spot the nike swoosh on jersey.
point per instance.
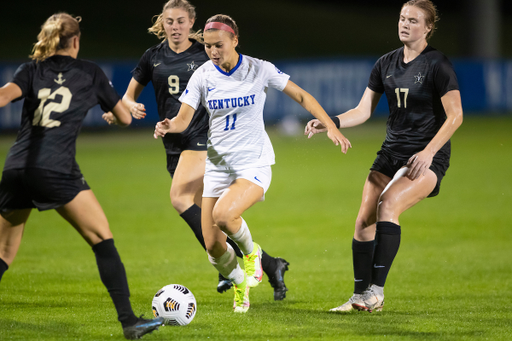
(155, 65)
(389, 76)
(211, 89)
(201, 144)
(378, 266)
(257, 179)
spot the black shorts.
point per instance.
(38, 188)
(188, 140)
(388, 165)
(194, 142)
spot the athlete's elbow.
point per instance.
(457, 119)
(125, 121)
(4, 99)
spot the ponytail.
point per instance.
(55, 35)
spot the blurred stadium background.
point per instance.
(328, 47)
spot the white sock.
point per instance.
(243, 238)
(228, 266)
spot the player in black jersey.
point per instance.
(425, 110)
(169, 65)
(41, 171)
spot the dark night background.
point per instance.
(117, 30)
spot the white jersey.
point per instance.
(237, 138)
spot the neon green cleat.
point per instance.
(241, 303)
(252, 265)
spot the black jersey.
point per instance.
(58, 93)
(170, 72)
(414, 92)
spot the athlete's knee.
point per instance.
(223, 217)
(214, 248)
(364, 229)
(386, 207)
(180, 201)
(96, 234)
(364, 222)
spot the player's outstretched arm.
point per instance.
(309, 103)
(177, 124)
(350, 118)
(119, 115)
(133, 92)
(8, 93)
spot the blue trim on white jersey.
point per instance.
(233, 69)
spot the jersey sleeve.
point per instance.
(23, 78)
(142, 72)
(375, 81)
(192, 94)
(105, 92)
(445, 78)
(276, 78)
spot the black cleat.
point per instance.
(277, 279)
(142, 327)
(224, 284)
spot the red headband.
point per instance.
(219, 26)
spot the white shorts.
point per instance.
(217, 181)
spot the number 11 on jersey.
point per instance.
(227, 123)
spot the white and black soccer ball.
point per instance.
(176, 304)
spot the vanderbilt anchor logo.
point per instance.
(171, 305)
(182, 289)
(59, 79)
(190, 310)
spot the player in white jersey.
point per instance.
(232, 88)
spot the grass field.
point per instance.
(451, 280)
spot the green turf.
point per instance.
(451, 279)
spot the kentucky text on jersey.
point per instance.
(235, 102)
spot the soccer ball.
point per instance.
(176, 304)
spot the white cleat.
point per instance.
(355, 299)
(373, 299)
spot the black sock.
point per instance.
(3, 267)
(235, 247)
(268, 263)
(362, 258)
(192, 217)
(388, 242)
(113, 276)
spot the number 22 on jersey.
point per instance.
(42, 113)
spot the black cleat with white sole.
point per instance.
(224, 284)
(142, 327)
